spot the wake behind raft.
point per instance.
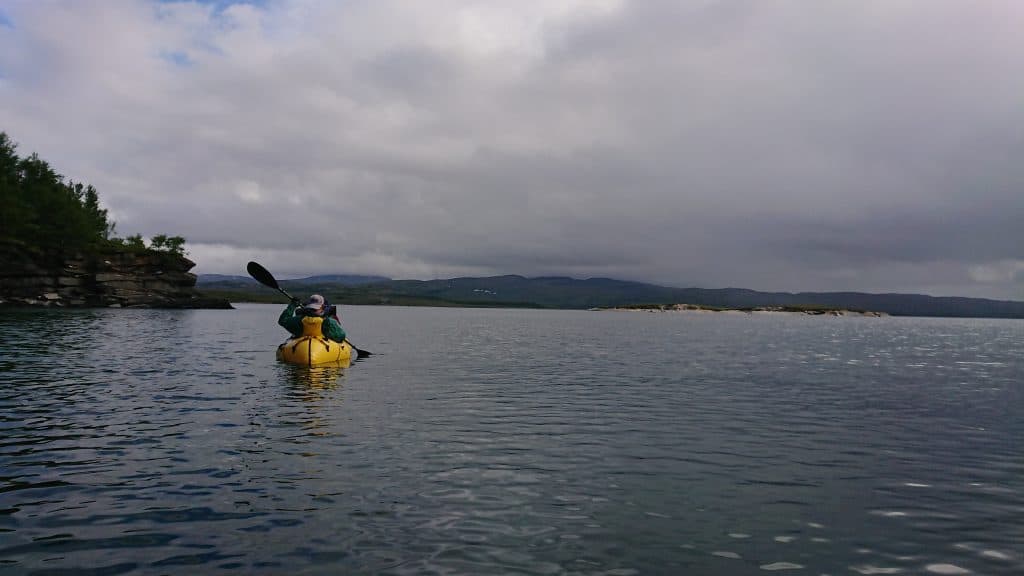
(312, 348)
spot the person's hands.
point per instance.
(331, 310)
(296, 301)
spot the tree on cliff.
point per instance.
(39, 210)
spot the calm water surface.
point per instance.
(511, 442)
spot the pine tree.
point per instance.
(42, 211)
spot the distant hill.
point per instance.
(215, 281)
(560, 292)
(205, 279)
(564, 292)
(345, 279)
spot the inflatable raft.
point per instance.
(312, 348)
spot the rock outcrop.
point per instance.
(111, 278)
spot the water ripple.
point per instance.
(511, 441)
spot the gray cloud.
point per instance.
(779, 146)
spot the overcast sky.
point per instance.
(807, 145)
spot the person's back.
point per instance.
(314, 311)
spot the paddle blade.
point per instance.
(262, 275)
(362, 353)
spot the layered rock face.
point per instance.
(109, 279)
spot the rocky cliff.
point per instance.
(111, 278)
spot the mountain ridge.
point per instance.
(571, 293)
(344, 279)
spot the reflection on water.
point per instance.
(317, 386)
(500, 441)
(313, 380)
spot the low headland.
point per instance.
(793, 310)
(110, 277)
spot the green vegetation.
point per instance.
(42, 212)
(164, 243)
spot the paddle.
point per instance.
(263, 276)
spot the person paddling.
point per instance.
(315, 306)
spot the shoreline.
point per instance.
(767, 310)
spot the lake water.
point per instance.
(483, 441)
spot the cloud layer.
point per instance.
(869, 145)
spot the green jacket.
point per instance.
(293, 323)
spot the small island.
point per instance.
(58, 248)
(808, 310)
